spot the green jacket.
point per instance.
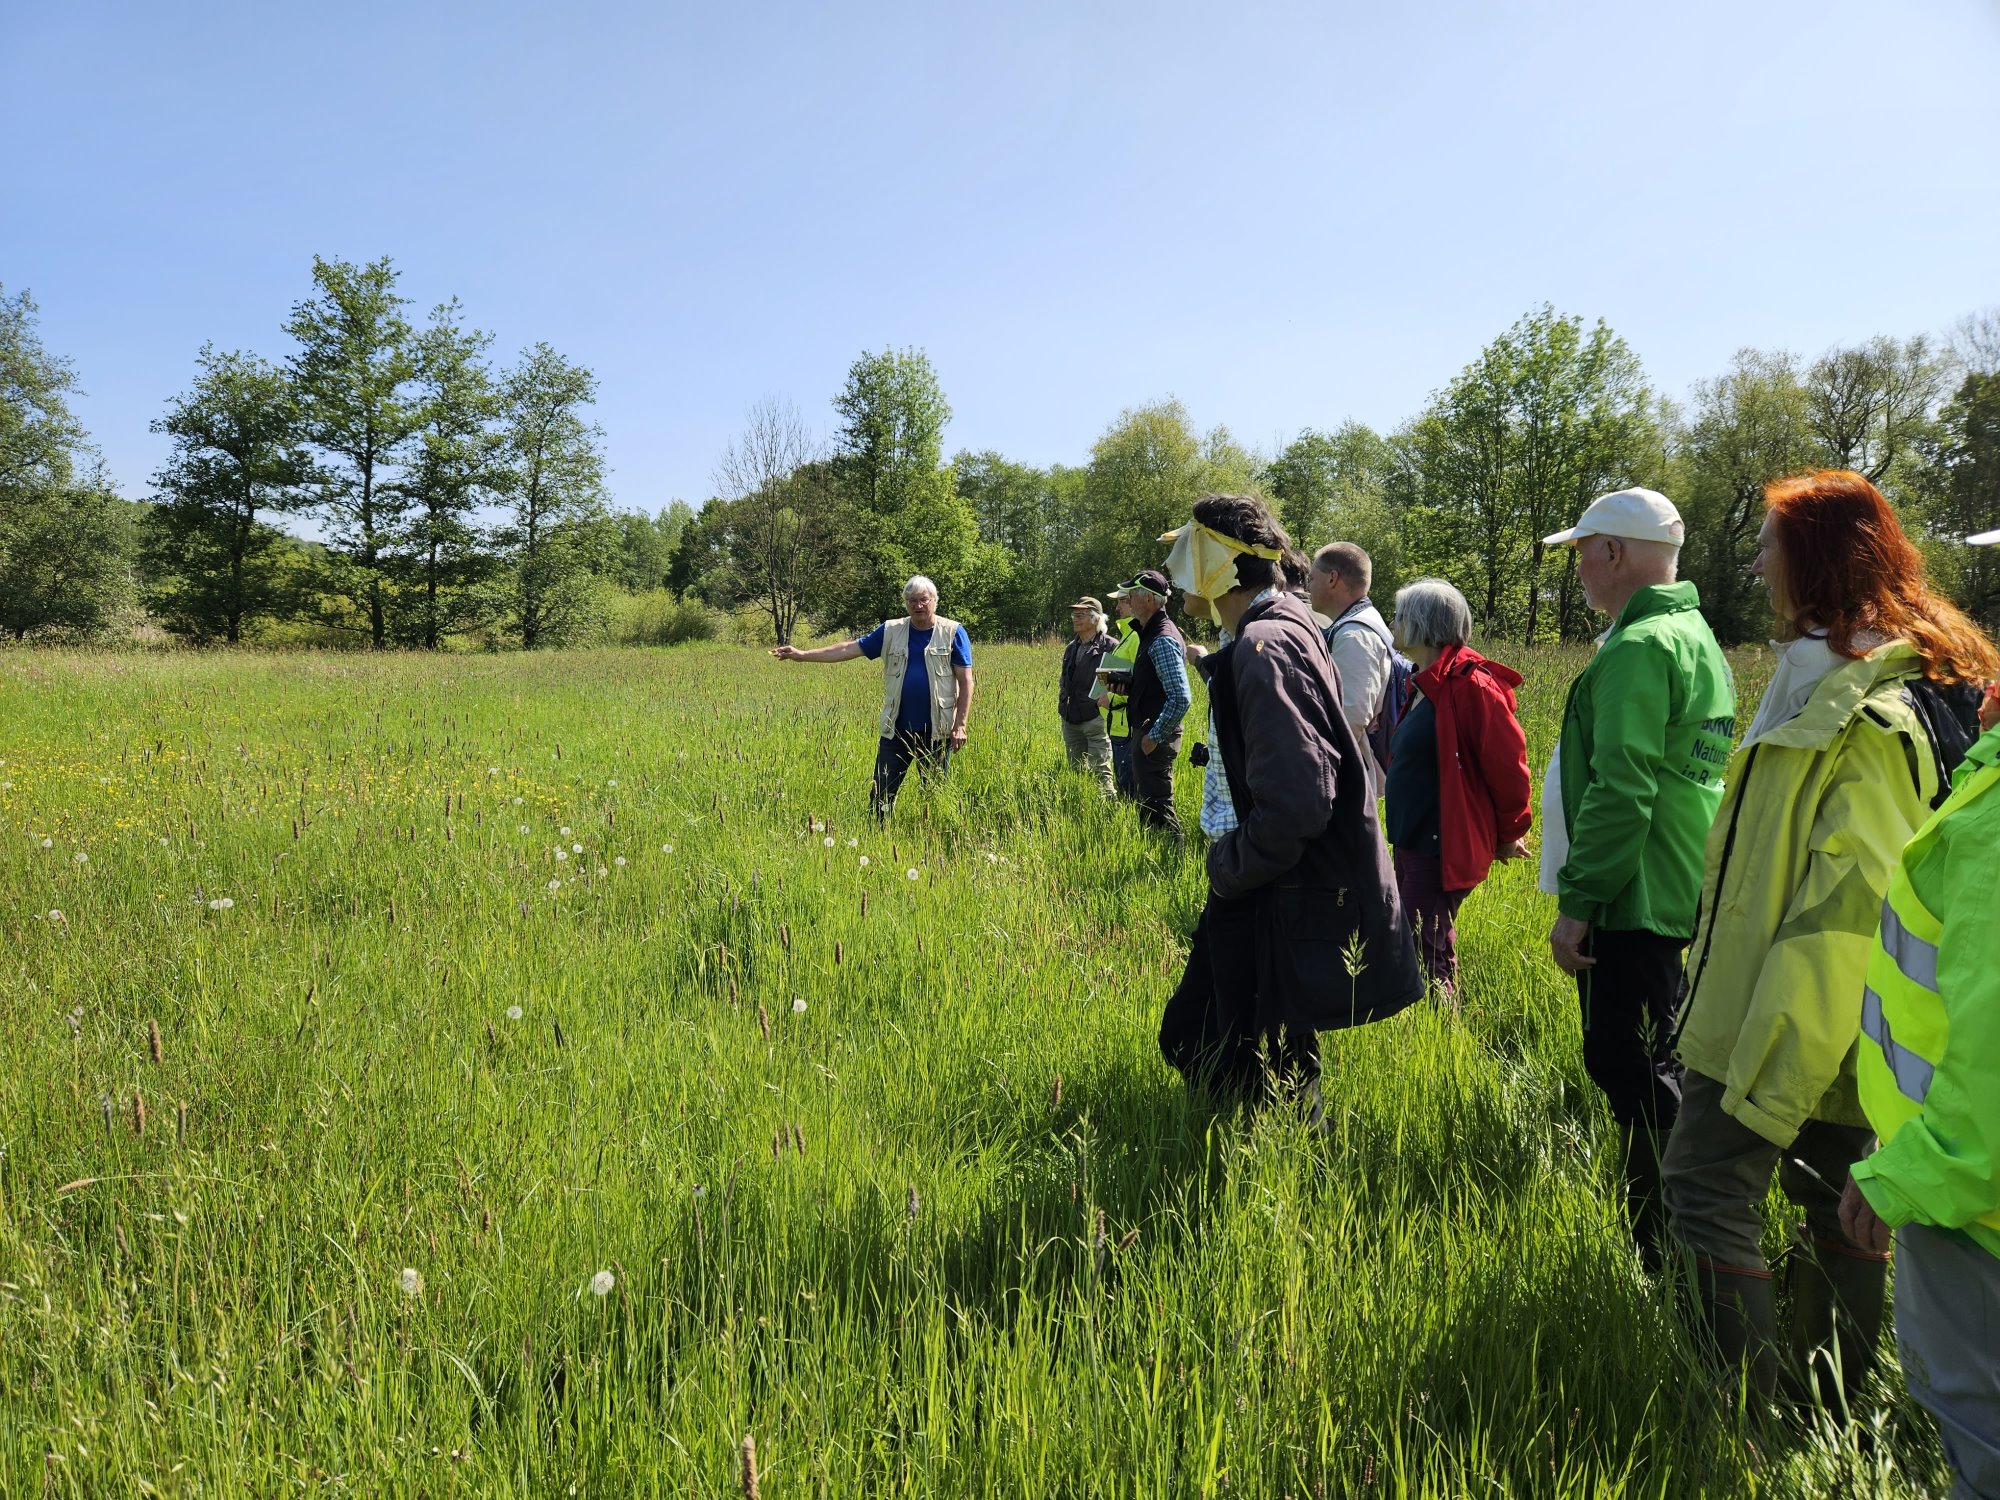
(1645, 735)
(1814, 821)
(1943, 1167)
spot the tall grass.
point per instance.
(866, 1126)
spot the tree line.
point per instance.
(448, 497)
(1551, 413)
(452, 499)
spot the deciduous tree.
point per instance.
(215, 564)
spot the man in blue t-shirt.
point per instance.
(926, 689)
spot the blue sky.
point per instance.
(1284, 215)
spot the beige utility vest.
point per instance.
(937, 666)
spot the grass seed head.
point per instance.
(153, 1042)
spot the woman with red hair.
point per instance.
(1851, 747)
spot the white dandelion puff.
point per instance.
(411, 1281)
(163, 843)
(518, 801)
(82, 858)
(513, 1012)
(619, 861)
(602, 1283)
(576, 848)
(55, 915)
(612, 782)
(524, 827)
(492, 770)
(48, 843)
(798, 1005)
(555, 885)
(828, 841)
(562, 854)
(565, 831)
(853, 843)
(602, 871)
(910, 874)
(221, 903)
(666, 848)
(864, 861)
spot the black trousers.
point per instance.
(1216, 1033)
(1628, 1002)
(1153, 786)
(894, 757)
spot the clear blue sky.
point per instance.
(1284, 215)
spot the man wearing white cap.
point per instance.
(1646, 732)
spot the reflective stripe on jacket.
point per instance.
(1930, 1019)
(1816, 812)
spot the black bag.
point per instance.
(1950, 716)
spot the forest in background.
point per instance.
(383, 484)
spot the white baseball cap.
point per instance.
(1639, 515)
(1984, 539)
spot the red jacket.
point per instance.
(1483, 789)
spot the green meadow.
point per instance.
(533, 1075)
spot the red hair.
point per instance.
(1850, 570)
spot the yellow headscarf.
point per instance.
(1202, 563)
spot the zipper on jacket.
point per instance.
(1722, 871)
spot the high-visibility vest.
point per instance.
(1117, 710)
(1904, 1020)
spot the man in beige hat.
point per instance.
(1647, 730)
(1086, 740)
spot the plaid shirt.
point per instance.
(1218, 812)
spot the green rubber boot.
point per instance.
(1838, 1298)
(1739, 1309)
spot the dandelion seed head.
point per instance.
(910, 874)
(602, 871)
(828, 841)
(574, 848)
(82, 858)
(666, 848)
(852, 843)
(513, 1012)
(612, 782)
(555, 885)
(562, 854)
(221, 903)
(163, 843)
(524, 827)
(864, 861)
(602, 1283)
(619, 861)
(565, 831)
(517, 801)
(48, 843)
(55, 915)
(411, 1280)
(492, 770)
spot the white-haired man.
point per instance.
(926, 688)
(1647, 729)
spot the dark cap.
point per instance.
(1152, 580)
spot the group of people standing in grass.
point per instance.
(1783, 935)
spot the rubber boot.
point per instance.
(1644, 1200)
(1739, 1308)
(1838, 1298)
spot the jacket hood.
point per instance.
(1463, 661)
(1840, 694)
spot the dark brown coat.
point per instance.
(1335, 948)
